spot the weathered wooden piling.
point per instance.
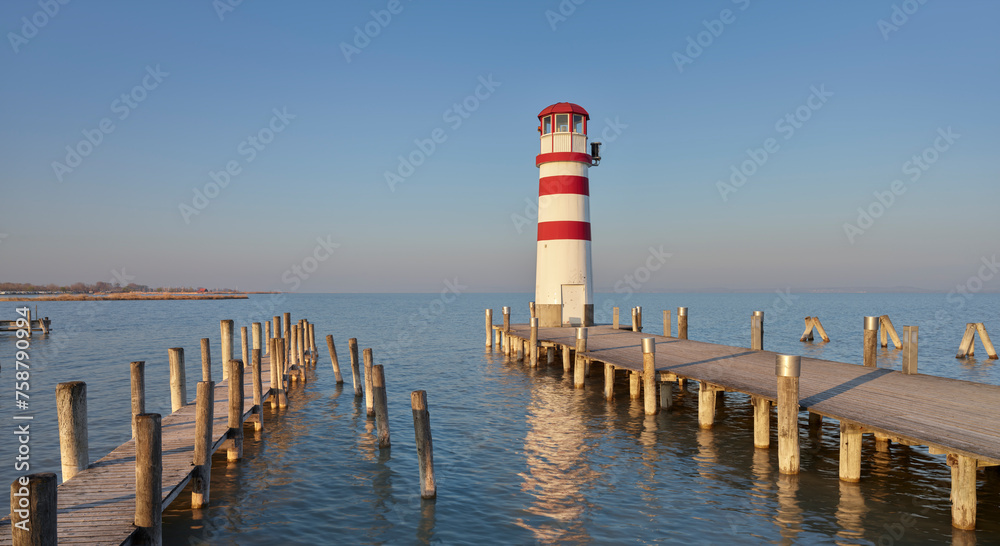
(226, 327)
(706, 404)
(638, 316)
(506, 319)
(667, 390)
(425, 446)
(550, 355)
(567, 359)
(886, 327)
(850, 451)
(579, 374)
(258, 389)
(276, 326)
(963, 491)
(206, 359)
(609, 381)
(813, 323)
(381, 404)
(682, 323)
(71, 407)
(369, 382)
(33, 508)
(235, 450)
(313, 350)
(286, 332)
(149, 479)
(267, 335)
(178, 381)
(489, 328)
(302, 352)
(634, 385)
(968, 345)
(787, 369)
(649, 375)
(910, 348)
(333, 359)
(668, 328)
(533, 342)
(761, 422)
(352, 346)
(137, 376)
(531, 309)
(282, 372)
(294, 352)
(257, 332)
(757, 331)
(635, 319)
(870, 342)
(275, 371)
(201, 479)
(615, 321)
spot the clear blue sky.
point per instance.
(683, 126)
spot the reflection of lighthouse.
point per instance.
(564, 287)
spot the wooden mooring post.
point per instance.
(667, 326)
(870, 341)
(489, 328)
(968, 344)
(910, 348)
(178, 381)
(757, 331)
(257, 332)
(381, 404)
(334, 360)
(761, 422)
(813, 323)
(533, 342)
(635, 319)
(206, 359)
(682, 323)
(615, 320)
(235, 450)
(71, 407)
(649, 375)
(425, 446)
(204, 416)
(787, 370)
(258, 389)
(369, 382)
(887, 330)
(352, 347)
(226, 328)
(149, 479)
(137, 376)
(267, 335)
(33, 509)
(579, 374)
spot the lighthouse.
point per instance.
(564, 286)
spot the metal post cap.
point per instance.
(758, 313)
(682, 311)
(534, 322)
(787, 365)
(871, 323)
(648, 345)
(581, 333)
(506, 310)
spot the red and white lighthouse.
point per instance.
(564, 287)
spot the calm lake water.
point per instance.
(520, 456)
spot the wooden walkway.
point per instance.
(947, 415)
(97, 506)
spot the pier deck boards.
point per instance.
(97, 506)
(947, 415)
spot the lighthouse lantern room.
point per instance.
(564, 288)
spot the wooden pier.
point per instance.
(949, 416)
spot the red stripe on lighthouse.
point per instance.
(548, 231)
(550, 185)
(563, 156)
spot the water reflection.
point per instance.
(789, 517)
(850, 514)
(558, 467)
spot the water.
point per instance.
(520, 456)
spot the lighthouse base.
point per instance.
(550, 315)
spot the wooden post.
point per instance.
(496, 339)
(615, 320)
(258, 389)
(276, 326)
(71, 407)
(666, 393)
(579, 375)
(550, 356)
(506, 319)
(178, 381)
(910, 347)
(369, 394)
(807, 334)
(33, 507)
(381, 404)
(149, 479)
(30, 326)
(206, 359)
(757, 331)
(204, 416)
(609, 381)
(963, 491)
(257, 332)
(635, 319)
(668, 328)
(302, 352)
(267, 336)
(682, 322)
(489, 328)
(333, 359)
(425, 447)
(235, 451)
(850, 451)
(706, 404)
(352, 346)
(138, 381)
(886, 327)
(819, 329)
(871, 335)
(761, 422)
(286, 319)
(227, 345)
(533, 342)
(294, 353)
(531, 309)
(634, 382)
(649, 375)
(638, 314)
(787, 368)
(987, 343)
(282, 373)
(567, 358)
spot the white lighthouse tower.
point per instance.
(564, 287)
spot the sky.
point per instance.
(748, 145)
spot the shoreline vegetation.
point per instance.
(130, 296)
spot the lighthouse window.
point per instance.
(562, 123)
(578, 124)
(547, 125)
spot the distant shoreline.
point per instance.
(130, 297)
